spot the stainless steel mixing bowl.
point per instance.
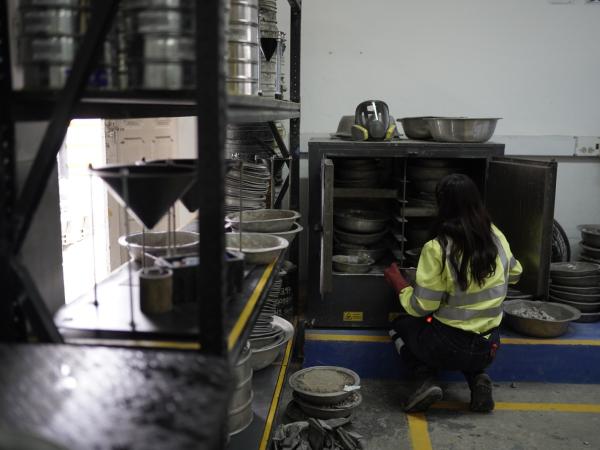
(451, 129)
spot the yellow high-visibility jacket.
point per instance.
(477, 309)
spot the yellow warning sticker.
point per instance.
(353, 316)
(392, 316)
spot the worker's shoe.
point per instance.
(425, 396)
(481, 394)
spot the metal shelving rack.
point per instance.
(209, 103)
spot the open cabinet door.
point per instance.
(326, 224)
(520, 198)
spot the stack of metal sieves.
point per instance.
(247, 189)
(243, 48)
(249, 141)
(158, 38)
(273, 47)
(49, 34)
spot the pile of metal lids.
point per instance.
(324, 392)
(270, 335)
(359, 239)
(246, 187)
(158, 44)
(50, 32)
(243, 48)
(590, 243)
(577, 284)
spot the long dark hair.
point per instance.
(464, 222)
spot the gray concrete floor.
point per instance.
(381, 421)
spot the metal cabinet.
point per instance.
(519, 194)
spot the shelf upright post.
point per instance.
(294, 150)
(11, 325)
(211, 101)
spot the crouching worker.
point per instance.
(455, 307)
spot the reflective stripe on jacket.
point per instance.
(477, 309)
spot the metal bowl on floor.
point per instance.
(264, 356)
(574, 269)
(324, 385)
(454, 129)
(588, 317)
(561, 315)
(343, 409)
(583, 298)
(352, 263)
(264, 220)
(157, 243)
(588, 281)
(590, 234)
(360, 220)
(592, 252)
(581, 306)
(257, 248)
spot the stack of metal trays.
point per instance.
(253, 183)
(158, 38)
(577, 284)
(249, 141)
(357, 173)
(590, 243)
(325, 392)
(269, 336)
(359, 233)
(243, 48)
(50, 32)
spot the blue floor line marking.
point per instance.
(555, 363)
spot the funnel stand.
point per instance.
(93, 242)
(124, 174)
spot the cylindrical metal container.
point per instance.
(50, 21)
(58, 50)
(156, 290)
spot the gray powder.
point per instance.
(532, 312)
(324, 381)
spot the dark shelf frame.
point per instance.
(209, 102)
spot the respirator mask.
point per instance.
(372, 122)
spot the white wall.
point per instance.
(533, 63)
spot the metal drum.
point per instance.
(49, 3)
(58, 50)
(152, 47)
(243, 61)
(163, 75)
(50, 21)
(162, 4)
(160, 21)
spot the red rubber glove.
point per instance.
(394, 278)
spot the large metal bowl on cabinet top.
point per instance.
(455, 129)
(416, 127)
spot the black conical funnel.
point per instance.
(151, 188)
(269, 45)
(190, 196)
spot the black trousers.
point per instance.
(430, 345)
